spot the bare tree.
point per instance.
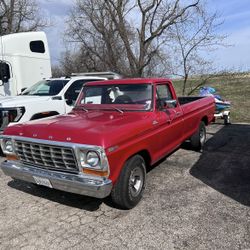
(20, 15)
(126, 35)
(193, 39)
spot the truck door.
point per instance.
(169, 121)
(5, 75)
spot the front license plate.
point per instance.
(42, 181)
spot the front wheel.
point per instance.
(130, 185)
(198, 139)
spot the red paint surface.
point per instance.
(156, 132)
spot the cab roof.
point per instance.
(76, 78)
(130, 81)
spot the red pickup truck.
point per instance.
(103, 147)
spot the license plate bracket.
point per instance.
(42, 181)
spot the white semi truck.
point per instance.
(24, 60)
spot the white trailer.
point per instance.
(24, 60)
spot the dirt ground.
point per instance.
(192, 201)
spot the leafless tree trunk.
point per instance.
(126, 35)
(20, 15)
(193, 37)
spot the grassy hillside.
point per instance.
(234, 89)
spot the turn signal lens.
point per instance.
(94, 172)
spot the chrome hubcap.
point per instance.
(202, 136)
(136, 182)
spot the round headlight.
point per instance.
(92, 158)
(9, 146)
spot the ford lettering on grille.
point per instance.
(47, 156)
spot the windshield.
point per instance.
(117, 96)
(46, 88)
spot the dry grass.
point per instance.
(234, 89)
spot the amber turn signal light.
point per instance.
(11, 157)
(94, 172)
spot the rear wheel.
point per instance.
(198, 139)
(130, 185)
(226, 119)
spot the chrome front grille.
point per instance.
(46, 156)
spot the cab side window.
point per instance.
(164, 97)
(163, 92)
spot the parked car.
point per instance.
(116, 130)
(46, 98)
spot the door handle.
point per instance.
(155, 122)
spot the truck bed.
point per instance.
(186, 99)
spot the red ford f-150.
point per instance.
(117, 129)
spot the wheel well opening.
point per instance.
(205, 120)
(146, 156)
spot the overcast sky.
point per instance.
(235, 13)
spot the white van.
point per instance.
(24, 60)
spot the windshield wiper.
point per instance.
(119, 110)
(82, 108)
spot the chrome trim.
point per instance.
(74, 183)
(46, 156)
(75, 146)
(55, 143)
(4, 119)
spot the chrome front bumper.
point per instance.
(73, 183)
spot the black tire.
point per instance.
(226, 119)
(130, 185)
(198, 139)
(2, 153)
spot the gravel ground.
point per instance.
(192, 201)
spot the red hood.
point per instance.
(101, 128)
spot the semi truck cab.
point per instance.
(24, 60)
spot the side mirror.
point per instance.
(69, 102)
(22, 89)
(165, 104)
(170, 104)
